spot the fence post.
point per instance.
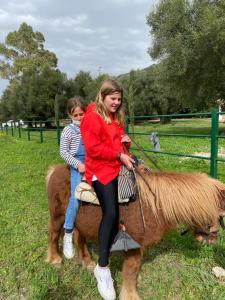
(41, 133)
(58, 132)
(28, 130)
(12, 125)
(19, 130)
(1, 128)
(127, 125)
(214, 143)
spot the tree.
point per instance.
(81, 81)
(34, 96)
(189, 41)
(146, 94)
(34, 81)
(94, 85)
(86, 86)
(24, 50)
(129, 97)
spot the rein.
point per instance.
(135, 170)
(146, 155)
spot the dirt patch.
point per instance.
(221, 154)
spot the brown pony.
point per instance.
(165, 200)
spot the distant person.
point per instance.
(72, 151)
(103, 133)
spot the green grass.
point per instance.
(177, 268)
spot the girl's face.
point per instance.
(112, 102)
(77, 114)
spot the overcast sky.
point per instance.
(107, 36)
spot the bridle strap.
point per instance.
(126, 151)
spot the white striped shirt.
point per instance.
(69, 144)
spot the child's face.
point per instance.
(77, 114)
(112, 102)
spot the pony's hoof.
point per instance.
(90, 267)
(54, 261)
(130, 297)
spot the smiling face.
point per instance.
(77, 114)
(112, 102)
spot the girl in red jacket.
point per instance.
(102, 131)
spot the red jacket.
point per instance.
(102, 142)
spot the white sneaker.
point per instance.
(68, 248)
(105, 283)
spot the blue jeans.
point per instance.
(71, 212)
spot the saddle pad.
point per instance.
(84, 192)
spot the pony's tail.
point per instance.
(49, 174)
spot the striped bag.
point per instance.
(127, 188)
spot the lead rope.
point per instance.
(140, 201)
(138, 190)
(157, 167)
(145, 154)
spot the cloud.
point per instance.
(86, 35)
(125, 2)
(20, 7)
(3, 15)
(69, 21)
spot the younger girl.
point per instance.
(72, 151)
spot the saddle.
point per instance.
(127, 188)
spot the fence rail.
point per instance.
(214, 136)
(36, 130)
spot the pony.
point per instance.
(165, 199)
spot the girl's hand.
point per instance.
(81, 168)
(127, 161)
(125, 139)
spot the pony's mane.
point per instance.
(188, 198)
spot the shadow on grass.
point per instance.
(173, 242)
(187, 247)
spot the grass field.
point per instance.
(178, 268)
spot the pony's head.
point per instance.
(208, 234)
(193, 199)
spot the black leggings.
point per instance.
(108, 198)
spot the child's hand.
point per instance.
(81, 168)
(125, 139)
(127, 161)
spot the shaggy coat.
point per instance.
(165, 200)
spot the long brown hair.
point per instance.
(108, 87)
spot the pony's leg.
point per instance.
(82, 252)
(131, 269)
(53, 240)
